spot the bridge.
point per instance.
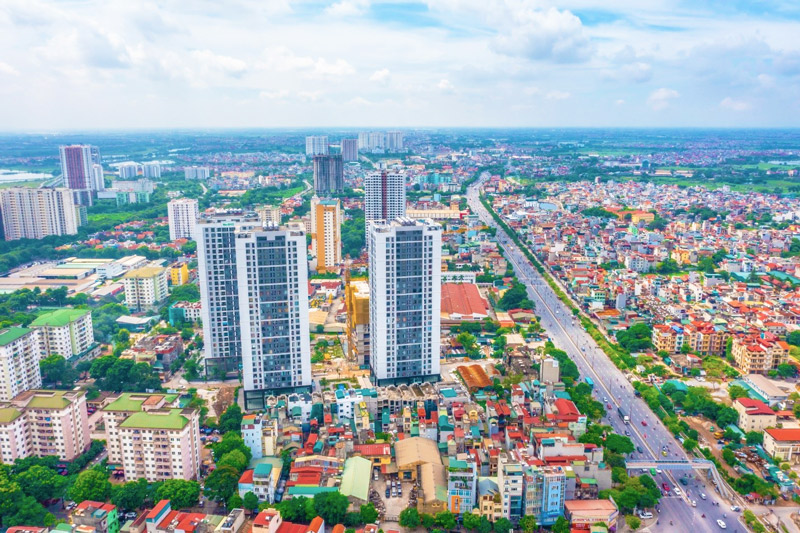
(682, 466)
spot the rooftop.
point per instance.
(9, 335)
(169, 419)
(59, 317)
(145, 272)
(132, 401)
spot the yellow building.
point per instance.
(356, 294)
(759, 355)
(326, 222)
(179, 274)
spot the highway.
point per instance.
(612, 387)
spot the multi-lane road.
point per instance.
(612, 387)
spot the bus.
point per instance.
(589, 382)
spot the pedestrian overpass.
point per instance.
(683, 466)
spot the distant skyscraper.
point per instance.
(38, 213)
(79, 169)
(20, 353)
(151, 170)
(182, 214)
(405, 300)
(326, 222)
(385, 196)
(328, 174)
(128, 170)
(394, 141)
(317, 145)
(350, 150)
(217, 273)
(197, 173)
(273, 309)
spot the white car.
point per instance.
(735, 508)
(694, 503)
(702, 495)
(677, 491)
(722, 525)
(645, 515)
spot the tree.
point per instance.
(250, 502)
(222, 483)
(235, 502)
(231, 420)
(736, 391)
(234, 458)
(91, 485)
(689, 444)
(368, 513)
(409, 518)
(785, 370)
(754, 437)
(636, 338)
(55, 370)
(471, 521)
(794, 338)
(41, 483)
(619, 444)
(561, 525)
(130, 496)
(331, 506)
(231, 441)
(445, 520)
(182, 494)
(633, 522)
(503, 525)
(294, 509)
(729, 457)
(527, 523)
(427, 520)
(29, 512)
(727, 416)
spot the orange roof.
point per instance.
(474, 376)
(247, 477)
(589, 505)
(463, 299)
(784, 435)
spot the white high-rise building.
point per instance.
(128, 170)
(78, 169)
(182, 214)
(151, 169)
(197, 173)
(405, 268)
(384, 196)
(349, 149)
(37, 213)
(273, 310)
(20, 352)
(217, 274)
(317, 145)
(67, 332)
(394, 141)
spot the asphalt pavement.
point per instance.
(612, 387)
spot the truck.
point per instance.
(625, 418)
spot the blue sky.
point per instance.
(284, 63)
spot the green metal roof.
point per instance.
(51, 400)
(7, 336)
(9, 414)
(156, 420)
(262, 469)
(132, 401)
(356, 471)
(60, 317)
(309, 490)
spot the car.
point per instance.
(663, 453)
(608, 406)
(646, 515)
(644, 423)
(639, 449)
(735, 508)
(604, 398)
(387, 492)
(694, 503)
(627, 433)
(677, 491)
(721, 524)
(658, 471)
(703, 496)
(665, 487)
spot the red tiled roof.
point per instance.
(247, 477)
(784, 435)
(755, 407)
(463, 299)
(373, 449)
(157, 509)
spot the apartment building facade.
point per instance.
(326, 223)
(759, 353)
(67, 332)
(20, 353)
(356, 294)
(145, 287)
(273, 311)
(217, 274)
(405, 300)
(37, 213)
(182, 214)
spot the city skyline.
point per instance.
(448, 63)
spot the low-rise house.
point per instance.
(754, 415)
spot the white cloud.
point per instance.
(381, 76)
(545, 35)
(274, 95)
(766, 81)
(281, 59)
(732, 104)
(660, 99)
(5, 68)
(619, 102)
(310, 96)
(445, 85)
(557, 95)
(209, 62)
(348, 8)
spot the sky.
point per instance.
(119, 64)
